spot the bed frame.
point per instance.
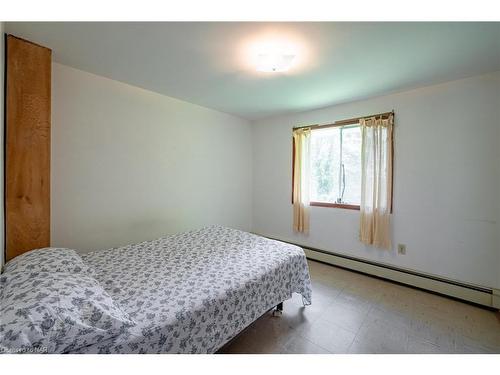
(278, 310)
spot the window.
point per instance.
(335, 176)
(329, 168)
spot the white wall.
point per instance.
(2, 65)
(446, 188)
(130, 165)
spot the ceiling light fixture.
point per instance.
(274, 62)
(272, 52)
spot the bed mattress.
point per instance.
(193, 292)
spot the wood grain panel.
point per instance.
(27, 148)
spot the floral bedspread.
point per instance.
(193, 292)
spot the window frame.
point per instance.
(341, 123)
(336, 205)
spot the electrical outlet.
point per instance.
(401, 249)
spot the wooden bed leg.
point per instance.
(279, 309)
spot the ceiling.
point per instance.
(210, 64)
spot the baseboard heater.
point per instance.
(489, 297)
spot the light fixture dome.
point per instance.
(274, 62)
(271, 52)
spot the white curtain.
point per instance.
(301, 173)
(376, 181)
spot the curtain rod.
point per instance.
(345, 122)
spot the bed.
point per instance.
(191, 292)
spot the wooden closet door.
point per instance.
(27, 147)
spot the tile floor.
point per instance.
(354, 313)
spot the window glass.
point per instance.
(351, 160)
(325, 146)
(336, 165)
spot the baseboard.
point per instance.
(495, 299)
(479, 295)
